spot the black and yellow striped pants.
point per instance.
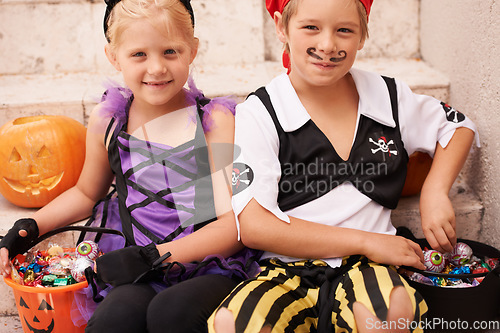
(310, 296)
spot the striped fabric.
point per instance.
(310, 296)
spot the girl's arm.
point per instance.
(77, 202)
(261, 229)
(436, 210)
(220, 236)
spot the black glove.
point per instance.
(17, 244)
(130, 264)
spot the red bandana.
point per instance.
(278, 6)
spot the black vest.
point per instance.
(310, 166)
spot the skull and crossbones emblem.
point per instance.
(236, 177)
(452, 114)
(383, 146)
(241, 174)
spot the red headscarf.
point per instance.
(278, 6)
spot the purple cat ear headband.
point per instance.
(110, 4)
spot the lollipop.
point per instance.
(461, 254)
(433, 261)
(87, 249)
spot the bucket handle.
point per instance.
(82, 228)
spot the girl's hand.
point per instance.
(438, 220)
(5, 267)
(394, 250)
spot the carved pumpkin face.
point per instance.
(40, 157)
(37, 317)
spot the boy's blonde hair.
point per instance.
(291, 9)
(165, 15)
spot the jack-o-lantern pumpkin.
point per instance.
(40, 157)
(419, 165)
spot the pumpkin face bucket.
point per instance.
(32, 317)
(46, 310)
(40, 157)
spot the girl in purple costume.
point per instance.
(168, 149)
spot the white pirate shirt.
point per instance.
(321, 187)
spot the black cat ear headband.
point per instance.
(110, 4)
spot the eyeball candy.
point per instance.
(78, 268)
(461, 254)
(434, 261)
(87, 249)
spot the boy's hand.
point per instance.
(394, 250)
(438, 220)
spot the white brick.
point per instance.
(46, 38)
(230, 32)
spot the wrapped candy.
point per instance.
(480, 270)
(79, 266)
(55, 250)
(87, 249)
(461, 254)
(461, 261)
(417, 277)
(460, 270)
(433, 261)
(492, 262)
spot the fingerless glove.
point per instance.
(17, 244)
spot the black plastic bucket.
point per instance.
(472, 304)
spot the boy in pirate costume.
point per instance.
(327, 147)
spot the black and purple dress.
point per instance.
(161, 193)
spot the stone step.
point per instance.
(75, 94)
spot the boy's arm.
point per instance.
(438, 217)
(260, 229)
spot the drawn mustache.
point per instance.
(342, 55)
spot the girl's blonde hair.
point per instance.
(165, 15)
(291, 9)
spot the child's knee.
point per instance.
(400, 305)
(223, 321)
(399, 310)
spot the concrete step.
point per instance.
(75, 94)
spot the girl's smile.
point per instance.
(154, 64)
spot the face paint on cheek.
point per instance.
(311, 51)
(342, 55)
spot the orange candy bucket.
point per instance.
(45, 309)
